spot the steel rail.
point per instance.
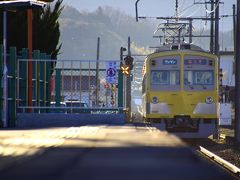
(232, 168)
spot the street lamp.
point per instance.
(136, 8)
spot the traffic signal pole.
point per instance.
(128, 84)
(124, 85)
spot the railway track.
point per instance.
(235, 171)
(204, 148)
(215, 159)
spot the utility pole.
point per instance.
(237, 78)
(234, 37)
(214, 40)
(128, 84)
(212, 27)
(190, 30)
(216, 50)
(97, 70)
(176, 8)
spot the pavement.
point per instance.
(104, 152)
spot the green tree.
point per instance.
(47, 33)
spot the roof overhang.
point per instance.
(5, 5)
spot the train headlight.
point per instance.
(209, 100)
(155, 100)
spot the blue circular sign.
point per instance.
(111, 72)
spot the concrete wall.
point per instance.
(33, 120)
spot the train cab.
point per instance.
(180, 90)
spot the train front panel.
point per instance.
(180, 89)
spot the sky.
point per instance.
(155, 8)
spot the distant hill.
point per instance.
(79, 32)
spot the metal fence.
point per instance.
(69, 86)
(12, 83)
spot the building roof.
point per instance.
(21, 4)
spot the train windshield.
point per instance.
(165, 77)
(198, 77)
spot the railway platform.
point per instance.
(103, 152)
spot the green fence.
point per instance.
(79, 87)
(46, 94)
(17, 80)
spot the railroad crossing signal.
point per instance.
(125, 69)
(127, 66)
(129, 62)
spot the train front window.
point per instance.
(199, 77)
(165, 77)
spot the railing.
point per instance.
(72, 85)
(11, 71)
(56, 82)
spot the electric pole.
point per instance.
(128, 83)
(237, 78)
(97, 72)
(212, 27)
(177, 8)
(216, 50)
(190, 31)
(234, 37)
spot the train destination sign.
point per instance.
(195, 61)
(169, 61)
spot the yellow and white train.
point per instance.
(180, 90)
